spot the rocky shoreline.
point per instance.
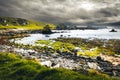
(103, 63)
(68, 60)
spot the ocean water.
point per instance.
(88, 34)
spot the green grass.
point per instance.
(61, 46)
(45, 42)
(57, 45)
(88, 53)
(13, 23)
(13, 67)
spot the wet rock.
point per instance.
(99, 58)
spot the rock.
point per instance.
(114, 73)
(54, 54)
(104, 64)
(113, 59)
(47, 63)
(99, 58)
(93, 65)
(56, 66)
(33, 57)
(116, 70)
(92, 49)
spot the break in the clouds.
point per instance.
(63, 11)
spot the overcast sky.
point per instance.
(63, 11)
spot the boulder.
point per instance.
(56, 66)
(93, 65)
(47, 63)
(99, 58)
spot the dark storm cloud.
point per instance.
(109, 12)
(63, 11)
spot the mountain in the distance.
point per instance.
(19, 23)
(113, 24)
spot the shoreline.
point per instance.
(67, 60)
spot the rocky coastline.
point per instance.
(109, 65)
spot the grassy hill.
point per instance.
(13, 67)
(18, 23)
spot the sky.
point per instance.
(63, 11)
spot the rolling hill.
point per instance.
(18, 23)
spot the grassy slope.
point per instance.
(13, 67)
(14, 24)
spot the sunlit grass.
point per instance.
(57, 45)
(46, 42)
(89, 53)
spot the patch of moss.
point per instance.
(57, 45)
(45, 42)
(89, 53)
